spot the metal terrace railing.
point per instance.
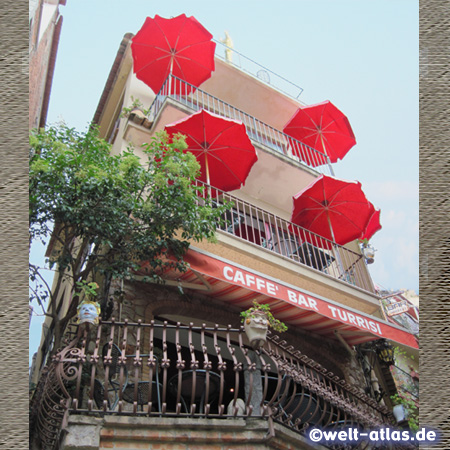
(255, 69)
(266, 230)
(159, 369)
(259, 132)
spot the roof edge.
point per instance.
(111, 77)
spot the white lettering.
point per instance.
(292, 296)
(312, 304)
(302, 300)
(360, 322)
(271, 289)
(260, 284)
(351, 319)
(250, 279)
(333, 310)
(239, 277)
(373, 326)
(374, 436)
(227, 274)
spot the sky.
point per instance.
(361, 55)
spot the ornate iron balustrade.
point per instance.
(266, 230)
(261, 133)
(161, 370)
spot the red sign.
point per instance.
(305, 301)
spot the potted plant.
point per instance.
(257, 320)
(136, 108)
(405, 409)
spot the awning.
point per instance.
(239, 286)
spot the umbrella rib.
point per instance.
(227, 147)
(164, 36)
(221, 132)
(153, 62)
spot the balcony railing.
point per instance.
(255, 69)
(259, 132)
(266, 230)
(158, 369)
(406, 384)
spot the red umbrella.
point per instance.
(324, 128)
(221, 146)
(180, 46)
(336, 209)
(373, 226)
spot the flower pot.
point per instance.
(400, 413)
(88, 312)
(256, 327)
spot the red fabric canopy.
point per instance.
(181, 46)
(373, 226)
(221, 146)
(336, 209)
(323, 127)
(226, 281)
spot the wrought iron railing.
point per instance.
(266, 230)
(261, 133)
(172, 370)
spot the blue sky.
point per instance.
(362, 55)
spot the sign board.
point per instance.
(397, 308)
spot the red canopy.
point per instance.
(323, 127)
(233, 284)
(221, 146)
(181, 46)
(373, 226)
(336, 209)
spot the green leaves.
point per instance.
(276, 324)
(114, 212)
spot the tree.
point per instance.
(103, 215)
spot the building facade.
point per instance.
(45, 29)
(171, 367)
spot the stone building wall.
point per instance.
(133, 433)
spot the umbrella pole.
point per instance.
(338, 256)
(207, 169)
(170, 76)
(326, 154)
(208, 181)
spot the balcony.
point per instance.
(275, 235)
(265, 136)
(162, 370)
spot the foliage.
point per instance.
(106, 215)
(136, 104)
(412, 412)
(88, 289)
(257, 307)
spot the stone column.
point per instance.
(257, 392)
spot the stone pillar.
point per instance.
(82, 433)
(257, 392)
